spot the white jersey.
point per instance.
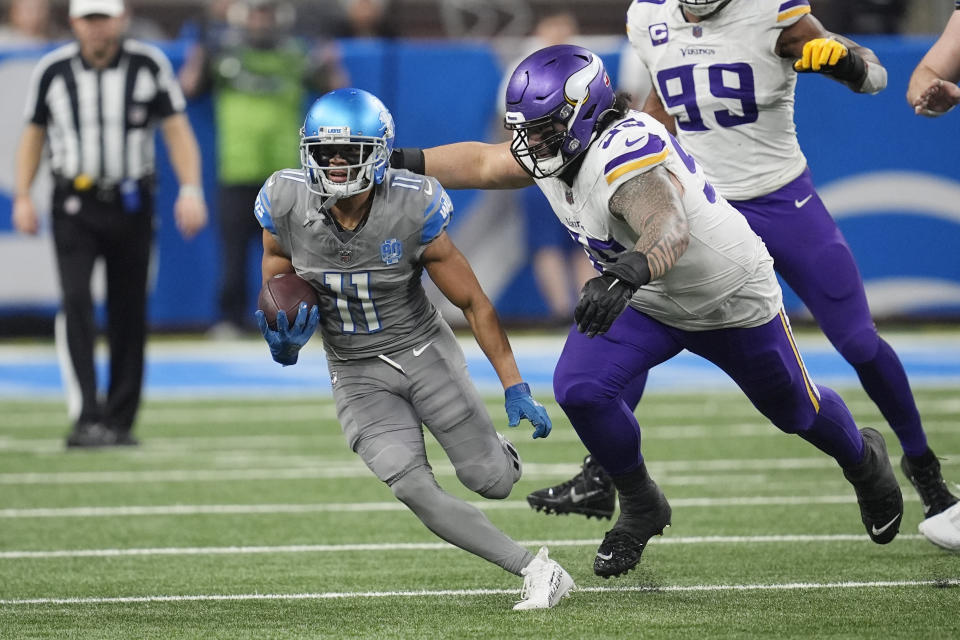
(731, 94)
(724, 279)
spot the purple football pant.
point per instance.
(811, 256)
(592, 375)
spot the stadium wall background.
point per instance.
(890, 178)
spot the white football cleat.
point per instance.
(943, 529)
(545, 582)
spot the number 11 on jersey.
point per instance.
(359, 293)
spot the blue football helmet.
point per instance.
(353, 126)
(554, 101)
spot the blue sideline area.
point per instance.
(189, 369)
(890, 178)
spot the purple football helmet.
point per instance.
(554, 99)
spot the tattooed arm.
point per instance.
(650, 204)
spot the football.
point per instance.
(285, 291)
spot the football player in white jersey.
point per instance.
(933, 89)
(363, 234)
(724, 74)
(680, 269)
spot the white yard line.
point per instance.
(360, 507)
(272, 442)
(672, 472)
(252, 414)
(183, 475)
(305, 411)
(339, 595)
(411, 546)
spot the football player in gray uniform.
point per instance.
(362, 234)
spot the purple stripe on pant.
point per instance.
(813, 258)
(593, 373)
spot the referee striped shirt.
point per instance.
(101, 122)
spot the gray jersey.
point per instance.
(372, 300)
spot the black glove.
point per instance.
(604, 298)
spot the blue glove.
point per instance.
(285, 343)
(520, 404)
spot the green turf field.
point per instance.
(251, 519)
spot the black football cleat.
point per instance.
(91, 435)
(925, 477)
(618, 553)
(644, 513)
(590, 493)
(878, 494)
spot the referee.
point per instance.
(94, 105)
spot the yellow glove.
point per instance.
(820, 54)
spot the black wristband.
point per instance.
(410, 158)
(850, 68)
(631, 268)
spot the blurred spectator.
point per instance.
(365, 19)
(143, 27)
(317, 19)
(28, 23)
(260, 76)
(560, 266)
(205, 33)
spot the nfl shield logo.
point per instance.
(697, 31)
(346, 255)
(390, 251)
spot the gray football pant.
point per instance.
(381, 405)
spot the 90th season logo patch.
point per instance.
(391, 251)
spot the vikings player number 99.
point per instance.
(731, 81)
